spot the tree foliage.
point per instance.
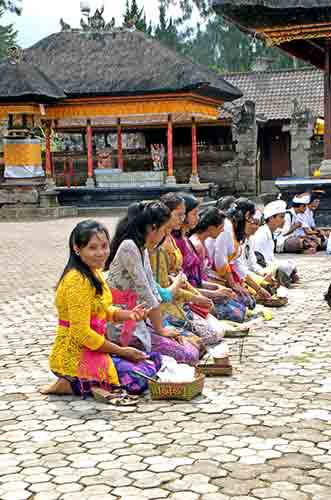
(212, 41)
(11, 5)
(7, 36)
(136, 16)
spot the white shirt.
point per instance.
(264, 243)
(307, 219)
(248, 258)
(222, 248)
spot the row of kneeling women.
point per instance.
(172, 281)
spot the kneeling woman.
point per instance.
(131, 278)
(81, 357)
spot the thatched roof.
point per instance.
(121, 63)
(254, 15)
(21, 80)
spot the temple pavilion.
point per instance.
(108, 106)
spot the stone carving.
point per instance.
(130, 24)
(15, 55)
(97, 22)
(243, 117)
(64, 26)
(105, 158)
(301, 116)
(244, 136)
(302, 130)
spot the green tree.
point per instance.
(135, 15)
(11, 5)
(7, 36)
(166, 30)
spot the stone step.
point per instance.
(33, 213)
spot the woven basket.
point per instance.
(170, 390)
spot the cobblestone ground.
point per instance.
(265, 433)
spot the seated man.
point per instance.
(264, 244)
(308, 222)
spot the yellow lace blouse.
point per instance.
(76, 301)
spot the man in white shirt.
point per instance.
(264, 244)
(294, 236)
(308, 222)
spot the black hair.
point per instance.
(191, 202)
(172, 200)
(237, 214)
(314, 196)
(80, 237)
(225, 202)
(134, 225)
(210, 217)
(297, 205)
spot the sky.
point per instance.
(41, 17)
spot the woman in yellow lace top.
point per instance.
(81, 357)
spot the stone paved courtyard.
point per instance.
(265, 433)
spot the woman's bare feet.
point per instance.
(61, 387)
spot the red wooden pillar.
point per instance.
(194, 179)
(89, 141)
(170, 179)
(327, 101)
(119, 145)
(48, 152)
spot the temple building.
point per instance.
(106, 107)
(289, 111)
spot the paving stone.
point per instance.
(263, 433)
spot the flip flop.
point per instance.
(236, 334)
(116, 398)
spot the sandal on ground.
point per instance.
(236, 334)
(115, 398)
(274, 302)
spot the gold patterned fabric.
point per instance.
(20, 154)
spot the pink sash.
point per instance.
(93, 365)
(129, 299)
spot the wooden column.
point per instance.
(48, 152)
(170, 177)
(327, 101)
(119, 145)
(89, 141)
(194, 179)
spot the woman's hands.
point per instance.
(171, 333)
(240, 291)
(202, 301)
(132, 354)
(263, 294)
(138, 313)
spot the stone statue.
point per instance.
(97, 22)
(64, 26)
(243, 117)
(111, 25)
(301, 116)
(15, 55)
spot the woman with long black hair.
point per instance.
(130, 273)
(83, 360)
